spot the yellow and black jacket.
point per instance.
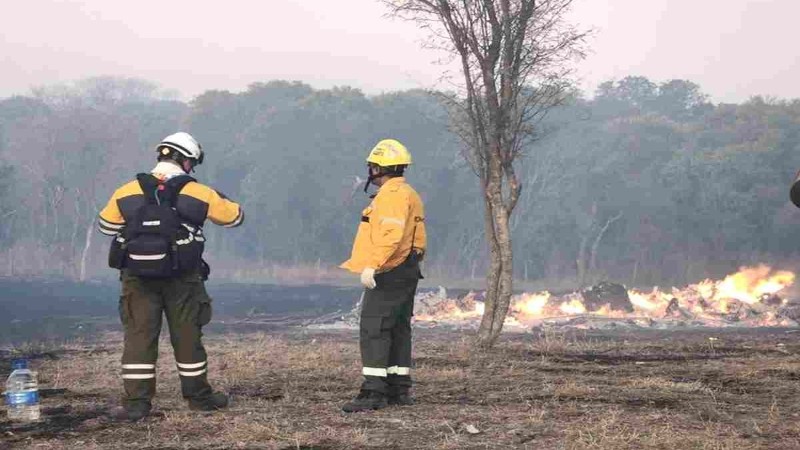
(391, 227)
(194, 204)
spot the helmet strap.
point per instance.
(372, 174)
(187, 163)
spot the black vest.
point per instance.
(158, 241)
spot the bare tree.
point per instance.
(515, 59)
(593, 229)
(86, 246)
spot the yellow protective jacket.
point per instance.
(391, 226)
(195, 203)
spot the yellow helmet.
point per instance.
(389, 152)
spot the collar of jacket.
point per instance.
(166, 170)
(392, 182)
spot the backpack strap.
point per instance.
(173, 187)
(149, 185)
(157, 192)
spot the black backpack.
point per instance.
(148, 246)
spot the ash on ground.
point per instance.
(434, 308)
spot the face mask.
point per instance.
(372, 172)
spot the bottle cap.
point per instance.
(20, 363)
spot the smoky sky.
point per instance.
(734, 49)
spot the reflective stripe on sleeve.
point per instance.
(394, 220)
(237, 221)
(111, 226)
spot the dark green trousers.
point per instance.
(385, 329)
(187, 306)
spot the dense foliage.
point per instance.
(643, 182)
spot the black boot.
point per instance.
(213, 402)
(132, 412)
(402, 398)
(366, 401)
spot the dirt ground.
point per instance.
(706, 389)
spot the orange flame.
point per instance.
(751, 283)
(573, 306)
(530, 305)
(747, 297)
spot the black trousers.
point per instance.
(385, 329)
(187, 306)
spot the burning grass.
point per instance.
(750, 297)
(709, 389)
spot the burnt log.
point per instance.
(674, 310)
(606, 293)
(771, 300)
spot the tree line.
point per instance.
(643, 182)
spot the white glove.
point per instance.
(368, 278)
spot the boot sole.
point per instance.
(375, 408)
(206, 409)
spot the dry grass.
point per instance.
(552, 391)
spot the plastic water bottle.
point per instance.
(22, 393)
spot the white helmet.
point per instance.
(184, 144)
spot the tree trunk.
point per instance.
(581, 261)
(499, 277)
(75, 261)
(492, 276)
(85, 253)
(54, 203)
(10, 259)
(506, 273)
(596, 243)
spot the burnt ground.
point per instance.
(627, 388)
(638, 389)
(58, 310)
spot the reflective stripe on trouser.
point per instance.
(138, 371)
(187, 307)
(385, 330)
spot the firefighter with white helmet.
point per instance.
(388, 247)
(157, 224)
(182, 148)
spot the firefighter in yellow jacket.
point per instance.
(388, 248)
(157, 224)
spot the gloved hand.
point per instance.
(368, 278)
